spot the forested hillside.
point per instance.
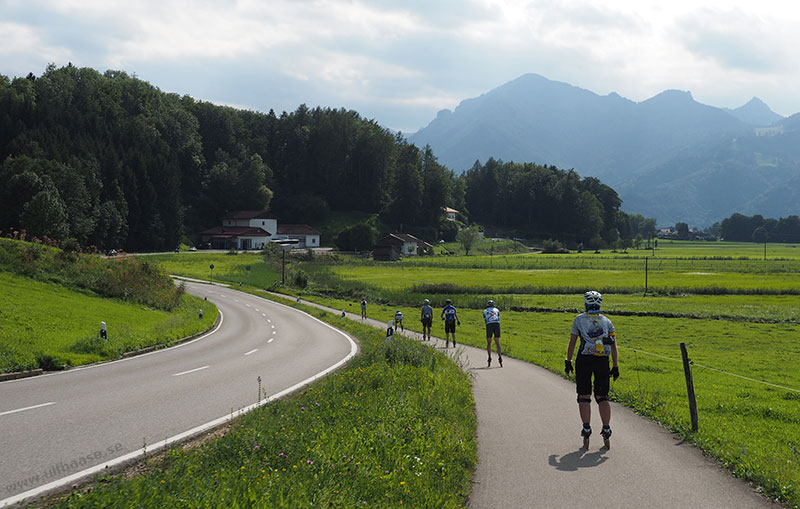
(111, 161)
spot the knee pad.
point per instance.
(600, 399)
(584, 400)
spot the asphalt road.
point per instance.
(56, 426)
(530, 450)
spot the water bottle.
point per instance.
(599, 349)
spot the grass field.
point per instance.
(332, 445)
(742, 340)
(227, 268)
(46, 325)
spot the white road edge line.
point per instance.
(194, 431)
(191, 371)
(103, 364)
(27, 408)
(252, 351)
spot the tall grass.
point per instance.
(129, 279)
(48, 326)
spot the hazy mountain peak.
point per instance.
(755, 112)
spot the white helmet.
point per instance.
(592, 300)
(490, 304)
(426, 301)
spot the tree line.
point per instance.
(545, 202)
(742, 228)
(110, 160)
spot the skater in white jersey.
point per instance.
(597, 342)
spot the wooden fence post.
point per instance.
(689, 386)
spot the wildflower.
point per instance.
(310, 462)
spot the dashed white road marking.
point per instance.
(235, 300)
(257, 309)
(191, 371)
(252, 351)
(27, 408)
(262, 314)
(270, 340)
(248, 305)
(270, 321)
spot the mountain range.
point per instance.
(669, 157)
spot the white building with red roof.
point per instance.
(253, 229)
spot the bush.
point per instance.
(300, 279)
(553, 246)
(359, 237)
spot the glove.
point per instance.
(568, 366)
(615, 373)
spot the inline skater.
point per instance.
(598, 341)
(450, 317)
(426, 317)
(492, 317)
(398, 320)
(363, 308)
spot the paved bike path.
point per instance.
(529, 448)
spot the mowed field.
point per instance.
(737, 314)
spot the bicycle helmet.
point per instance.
(426, 301)
(592, 300)
(490, 304)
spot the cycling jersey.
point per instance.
(427, 311)
(491, 315)
(593, 327)
(398, 316)
(449, 313)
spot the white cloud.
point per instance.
(403, 61)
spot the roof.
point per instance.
(249, 214)
(449, 210)
(229, 232)
(400, 238)
(296, 229)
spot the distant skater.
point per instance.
(598, 340)
(398, 320)
(492, 317)
(450, 317)
(363, 308)
(426, 317)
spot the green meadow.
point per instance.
(228, 268)
(45, 325)
(738, 315)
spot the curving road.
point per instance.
(59, 427)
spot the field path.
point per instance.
(529, 448)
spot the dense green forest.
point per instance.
(112, 161)
(739, 227)
(546, 202)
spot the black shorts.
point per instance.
(493, 329)
(585, 367)
(427, 322)
(450, 327)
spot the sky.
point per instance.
(401, 62)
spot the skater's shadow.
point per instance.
(578, 459)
